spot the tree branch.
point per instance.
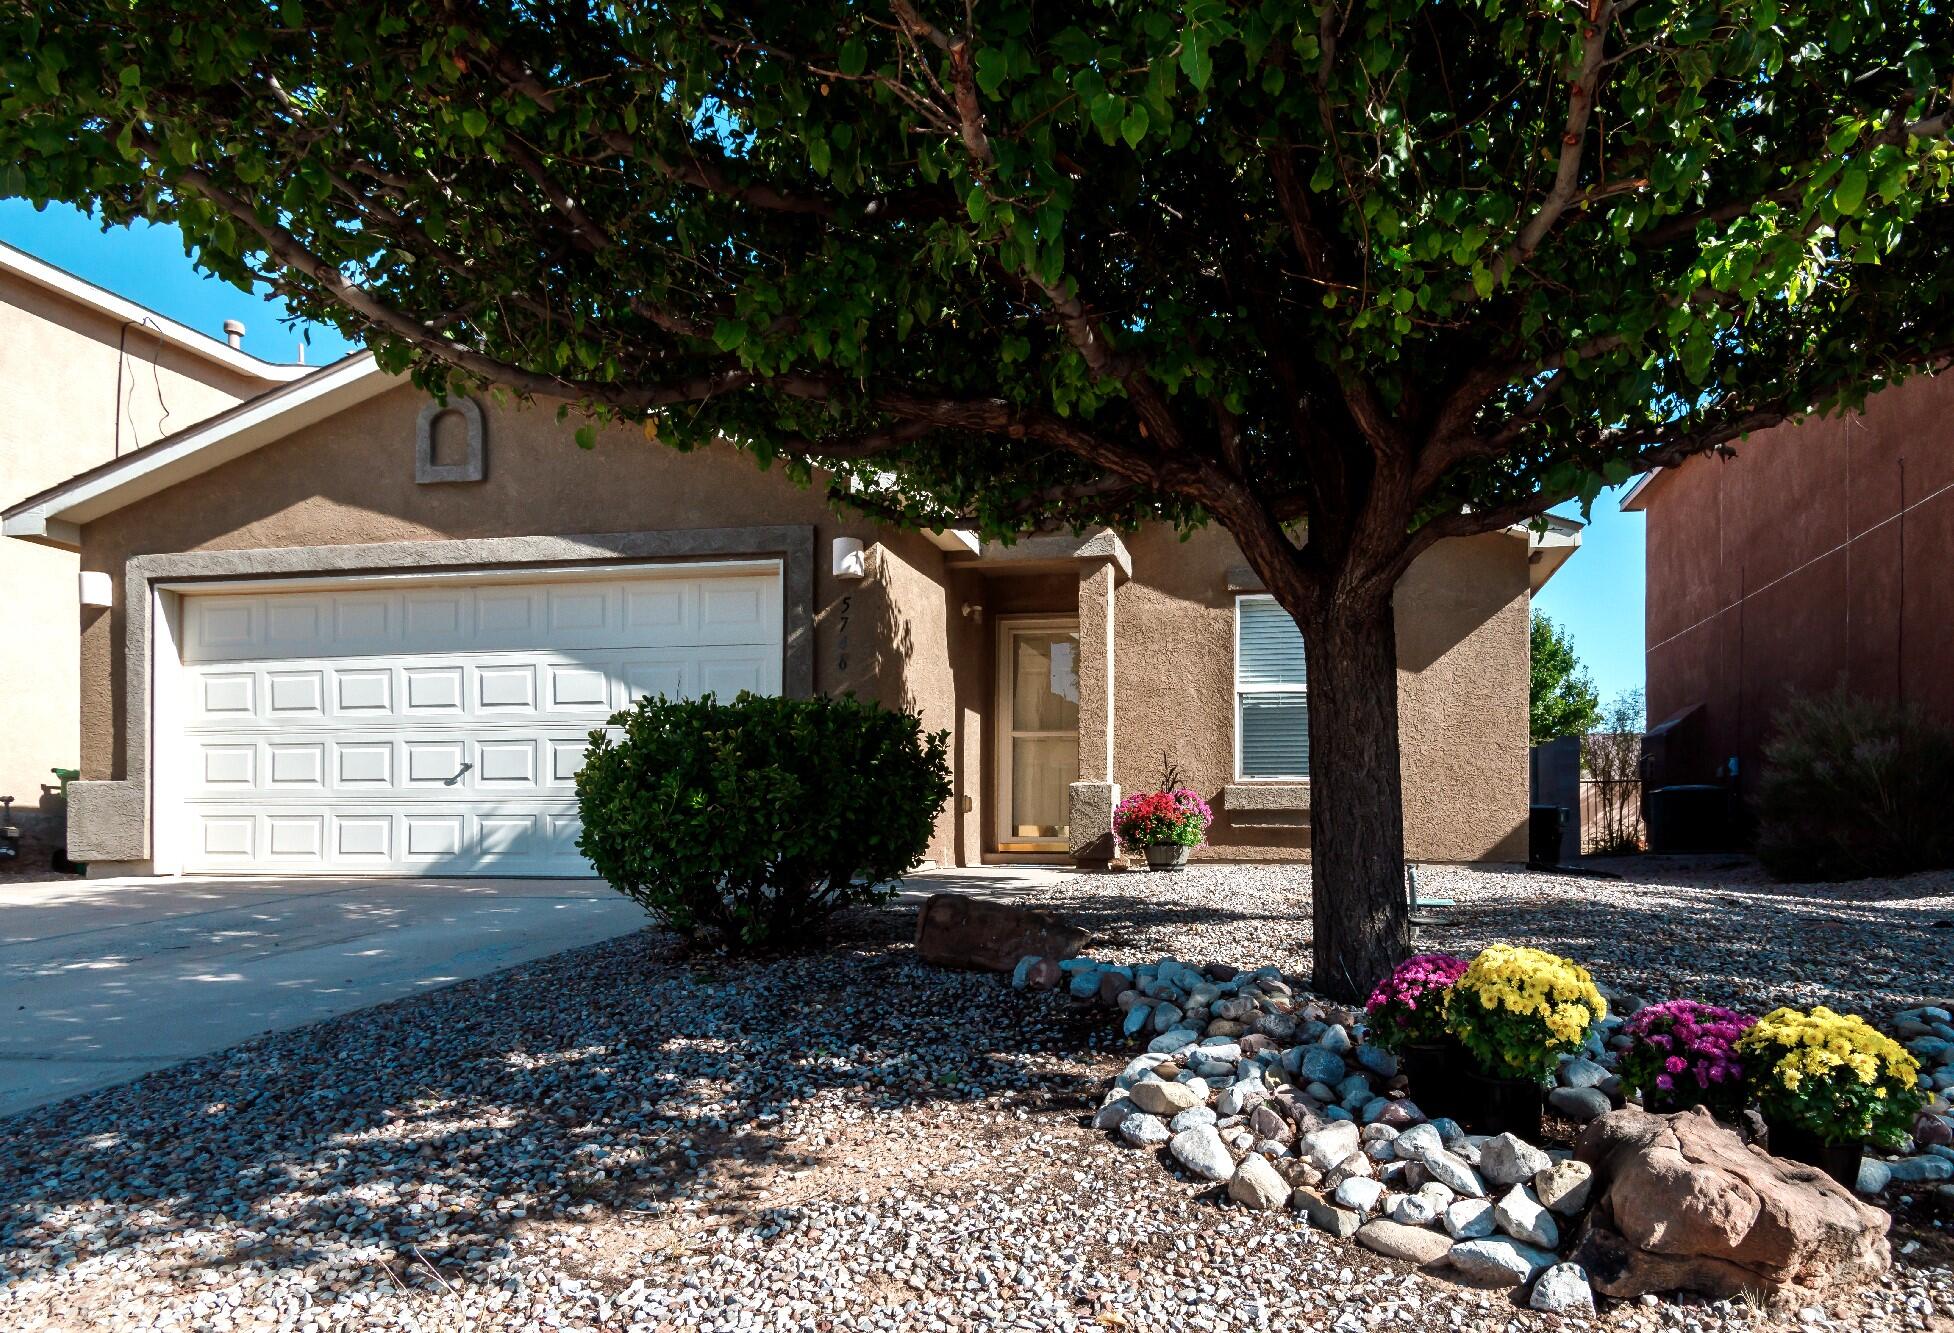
(287, 250)
(1581, 94)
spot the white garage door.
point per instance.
(436, 727)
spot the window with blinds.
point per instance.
(1271, 692)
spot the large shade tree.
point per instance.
(1347, 279)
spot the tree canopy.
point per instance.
(1560, 693)
(1067, 261)
(1347, 279)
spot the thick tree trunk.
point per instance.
(1360, 913)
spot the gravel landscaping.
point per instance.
(623, 1137)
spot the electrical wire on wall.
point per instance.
(128, 407)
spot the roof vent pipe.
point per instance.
(234, 332)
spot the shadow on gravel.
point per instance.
(1128, 920)
(1872, 949)
(619, 1079)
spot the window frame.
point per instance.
(1238, 690)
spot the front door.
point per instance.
(1038, 732)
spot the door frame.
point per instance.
(1002, 731)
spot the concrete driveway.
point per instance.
(103, 980)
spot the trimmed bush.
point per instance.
(1852, 787)
(753, 821)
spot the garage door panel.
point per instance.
(363, 690)
(434, 837)
(225, 626)
(432, 689)
(660, 612)
(506, 615)
(296, 838)
(506, 764)
(234, 766)
(290, 766)
(505, 688)
(438, 619)
(295, 694)
(361, 623)
(513, 836)
(437, 729)
(436, 763)
(291, 624)
(228, 694)
(363, 839)
(577, 688)
(228, 838)
(363, 765)
(566, 761)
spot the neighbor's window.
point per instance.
(1271, 692)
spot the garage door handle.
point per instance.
(460, 773)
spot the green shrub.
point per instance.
(752, 821)
(1852, 787)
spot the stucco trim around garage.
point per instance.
(109, 820)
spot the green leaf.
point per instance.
(854, 57)
(475, 121)
(1134, 127)
(992, 69)
(1196, 63)
(586, 436)
(1850, 193)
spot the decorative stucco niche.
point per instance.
(473, 466)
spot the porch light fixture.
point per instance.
(850, 561)
(97, 589)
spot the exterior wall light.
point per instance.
(850, 560)
(97, 589)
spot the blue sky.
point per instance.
(147, 265)
(1597, 596)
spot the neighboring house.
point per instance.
(85, 376)
(352, 632)
(1822, 555)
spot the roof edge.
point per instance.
(1635, 499)
(39, 272)
(55, 516)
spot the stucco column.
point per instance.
(1094, 795)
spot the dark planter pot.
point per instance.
(1488, 1105)
(1167, 856)
(1432, 1069)
(1838, 1160)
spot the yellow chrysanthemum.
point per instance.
(1558, 995)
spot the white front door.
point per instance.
(1037, 731)
(436, 726)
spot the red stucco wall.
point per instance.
(1823, 553)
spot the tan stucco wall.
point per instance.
(351, 479)
(917, 633)
(1462, 691)
(59, 415)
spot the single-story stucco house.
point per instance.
(341, 629)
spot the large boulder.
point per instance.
(1683, 1204)
(956, 930)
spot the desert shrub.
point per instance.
(1851, 787)
(753, 821)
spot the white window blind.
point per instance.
(1271, 691)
